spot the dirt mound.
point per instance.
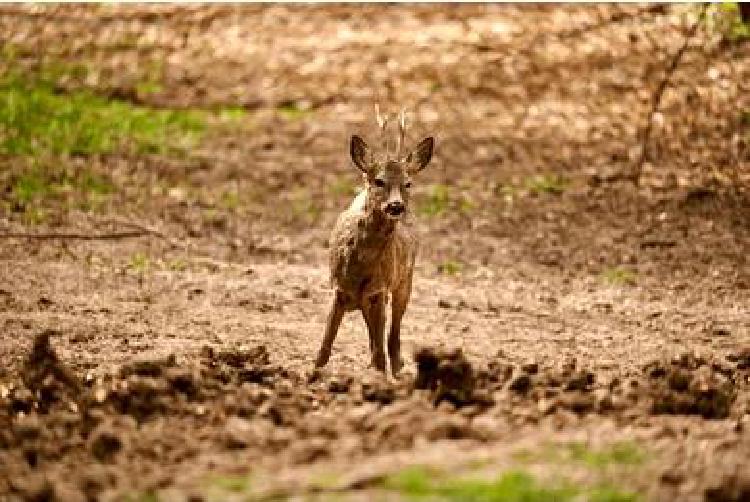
(47, 379)
(238, 358)
(685, 385)
(448, 375)
(741, 358)
(237, 400)
(735, 488)
(690, 385)
(47, 414)
(535, 390)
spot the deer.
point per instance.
(372, 247)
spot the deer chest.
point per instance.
(362, 266)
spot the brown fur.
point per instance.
(373, 251)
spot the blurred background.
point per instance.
(230, 123)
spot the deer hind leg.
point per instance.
(373, 310)
(332, 328)
(400, 301)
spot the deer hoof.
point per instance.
(322, 359)
(396, 366)
(378, 363)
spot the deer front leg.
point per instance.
(373, 311)
(400, 301)
(332, 328)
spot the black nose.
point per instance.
(394, 208)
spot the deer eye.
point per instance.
(379, 183)
(407, 184)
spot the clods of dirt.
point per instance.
(147, 367)
(238, 358)
(521, 383)
(105, 442)
(741, 358)
(378, 391)
(448, 374)
(45, 376)
(690, 385)
(47, 415)
(735, 488)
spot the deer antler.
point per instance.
(382, 121)
(401, 131)
(383, 125)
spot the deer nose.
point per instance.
(395, 208)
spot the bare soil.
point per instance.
(591, 310)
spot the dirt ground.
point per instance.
(590, 313)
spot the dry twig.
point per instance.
(74, 235)
(658, 94)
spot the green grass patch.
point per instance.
(621, 453)
(235, 484)
(177, 265)
(139, 263)
(38, 183)
(508, 193)
(303, 207)
(232, 114)
(546, 183)
(147, 496)
(148, 87)
(450, 267)
(514, 486)
(440, 200)
(152, 78)
(466, 206)
(25, 188)
(35, 119)
(342, 186)
(230, 200)
(618, 276)
(293, 110)
(724, 18)
(57, 72)
(29, 186)
(437, 202)
(610, 494)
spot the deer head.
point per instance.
(388, 176)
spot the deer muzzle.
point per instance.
(395, 208)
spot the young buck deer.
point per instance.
(372, 250)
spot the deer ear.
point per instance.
(422, 155)
(358, 150)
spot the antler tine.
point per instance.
(401, 130)
(382, 124)
(382, 121)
